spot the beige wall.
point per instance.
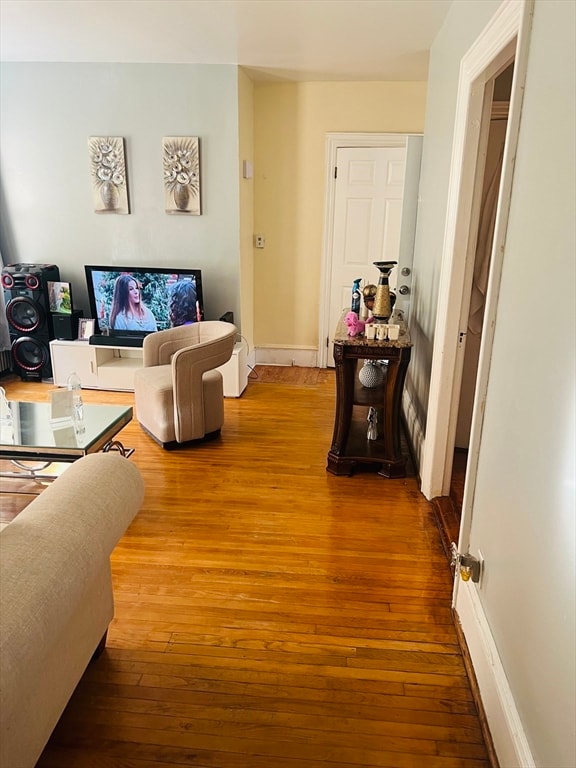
(290, 125)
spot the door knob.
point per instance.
(404, 290)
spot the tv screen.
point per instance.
(139, 300)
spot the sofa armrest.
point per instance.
(50, 553)
(94, 500)
(56, 595)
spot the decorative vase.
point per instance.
(382, 304)
(371, 374)
(109, 195)
(181, 196)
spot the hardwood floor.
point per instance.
(448, 509)
(458, 478)
(270, 614)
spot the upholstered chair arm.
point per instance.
(159, 347)
(188, 366)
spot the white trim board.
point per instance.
(506, 728)
(287, 356)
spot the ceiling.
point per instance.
(301, 40)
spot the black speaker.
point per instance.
(227, 317)
(29, 319)
(66, 326)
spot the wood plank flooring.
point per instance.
(270, 614)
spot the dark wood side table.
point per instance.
(350, 444)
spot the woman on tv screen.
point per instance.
(129, 313)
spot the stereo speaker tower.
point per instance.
(29, 320)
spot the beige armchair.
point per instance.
(178, 393)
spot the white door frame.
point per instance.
(335, 141)
(504, 38)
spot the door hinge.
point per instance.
(335, 171)
(327, 341)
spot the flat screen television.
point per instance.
(135, 301)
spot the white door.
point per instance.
(401, 277)
(367, 220)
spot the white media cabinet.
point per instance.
(113, 367)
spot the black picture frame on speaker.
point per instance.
(60, 298)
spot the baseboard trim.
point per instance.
(469, 666)
(301, 356)
(499, 715)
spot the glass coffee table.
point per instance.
(29, 435)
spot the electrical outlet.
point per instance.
(259, 241)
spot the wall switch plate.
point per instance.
(259, 241)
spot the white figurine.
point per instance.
(372, 424)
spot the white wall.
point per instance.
(524, 506)
(47, 112)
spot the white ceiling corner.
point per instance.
(302, 40)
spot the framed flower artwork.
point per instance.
(108, 171)
(181, 163)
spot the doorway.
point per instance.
(472, 338)
(503, 43)
(477, 275)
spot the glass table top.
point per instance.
(29, 432)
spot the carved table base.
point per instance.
(350, 444)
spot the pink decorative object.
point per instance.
(355, 325)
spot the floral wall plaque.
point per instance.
(181, 161)
(108, 170)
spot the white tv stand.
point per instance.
(113, 368)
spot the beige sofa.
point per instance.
(56, 595)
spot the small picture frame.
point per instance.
(85, 328)
(60, 298)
